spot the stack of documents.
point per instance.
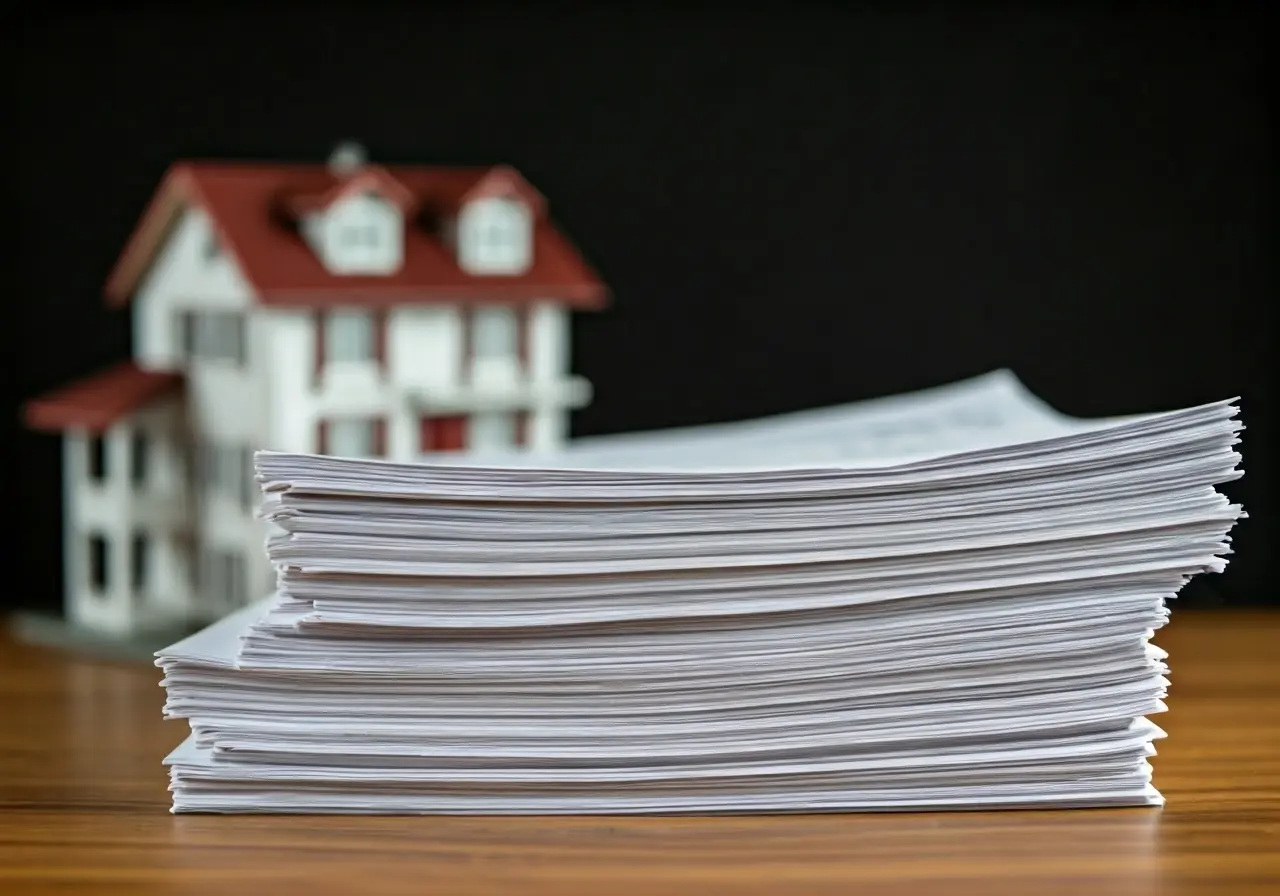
(939, 600)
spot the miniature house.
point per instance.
(349, 309)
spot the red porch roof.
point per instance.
(96, 402)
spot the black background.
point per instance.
(794, 206)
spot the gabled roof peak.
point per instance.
(366, 179)
(503, 181)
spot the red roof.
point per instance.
(96, 402)
(252, 208)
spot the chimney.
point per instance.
(347, 158)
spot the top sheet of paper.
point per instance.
(983, 414)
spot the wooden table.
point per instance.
(83, 808)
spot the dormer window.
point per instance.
(357, 225)
(498, 239)
(495, 236)
(360, 234)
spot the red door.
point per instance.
(444, 433)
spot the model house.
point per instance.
(349, 309)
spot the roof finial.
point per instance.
(347, 158)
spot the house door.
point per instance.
(444, 433)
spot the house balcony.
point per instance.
(566, 393)
(110, 505)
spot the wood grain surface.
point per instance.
(83, 809)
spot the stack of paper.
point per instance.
(940, 600)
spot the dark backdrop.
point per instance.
(794, 206)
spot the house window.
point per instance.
(187, 333)
(349, 337)
(227, 470)
(206, 466)
(356, 236)
(443, 434)
(493, 431)
(248, 480)
(97, 447)
(494, 334)
(223, 578)
(214, 336)
(98, 563)
(352, 437)
(498, 234)
(138, 458)
(212, 247)
(237, 588)
(209, 462)
(139, 560)
(498, 238)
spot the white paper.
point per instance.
(939, 600)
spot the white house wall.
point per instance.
(226, 403)
(548, 342)
(549, 359)
(289, 379)
(425, 347)
(162, 508)
(418, 347)
(181, 275)
(116, 508)
(424, 350)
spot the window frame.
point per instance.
(368, 426)
(98, 563)
(350, 337)
(141, 450)
(214, 336)
(486, 335)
